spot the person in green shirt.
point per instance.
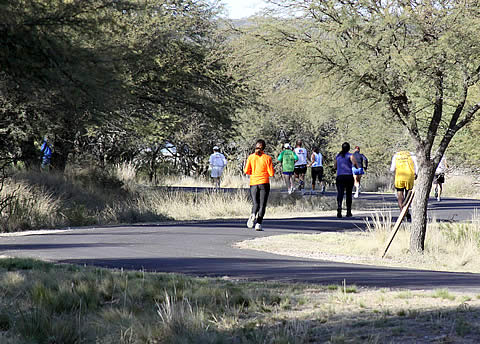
(288, 157)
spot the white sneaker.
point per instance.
(290, 191)
(438, 198)
(356, 195)
(251, 221)
(258, 227)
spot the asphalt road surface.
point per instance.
(206, 249)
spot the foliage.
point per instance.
(296, 101)
(107, 81)
(57, 73)
(417, 61)
(184, 95)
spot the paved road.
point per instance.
(205, 249)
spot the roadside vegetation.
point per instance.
(80, 197)
(121, 194)
(129, 93)
(45, 303)
(449, 246)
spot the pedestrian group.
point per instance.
(294, 162)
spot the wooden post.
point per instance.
(406, 205)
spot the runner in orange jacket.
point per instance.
(259, 167)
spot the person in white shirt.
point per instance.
(439, 178)
(217, 163)
(316, 163)
(301, 164)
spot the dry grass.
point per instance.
(43, 303)
(89, 197)
(30, 206)
(208, 205)
(448, 246)
(230, 179)
(462, 186)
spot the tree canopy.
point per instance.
(99, 73)
(418, 61)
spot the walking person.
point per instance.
(344, 161)
(362, 162)
(217, 163)
(404, 165)
(46, 154)
(439, 178)
(301, 164)
(259, 167)
(288, 157)
(316, 162)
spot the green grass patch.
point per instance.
(443, 294)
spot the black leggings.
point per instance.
(345, 184)
(259, 195)
(317, 173)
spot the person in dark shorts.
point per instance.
(439, 178)
(288, 157)
(362, 162)
(343, 164)
(316, 162)
(404, 165)
(301, 164)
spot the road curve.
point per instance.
(205, 248)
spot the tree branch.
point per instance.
(437, 111)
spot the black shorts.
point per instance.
(300, 169)
(439, 178)
(317, 172)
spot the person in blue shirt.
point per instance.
(343, 163)
(46, 154)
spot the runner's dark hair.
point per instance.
(262, 142)
(345, 149)
(316, 150)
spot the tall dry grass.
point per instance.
(43, 303)
(29, 207)
(46, 303)
(230, 179)
(448, 245)
(461, 186)
(89, 196)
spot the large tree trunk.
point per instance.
(61, 150)
(423, 185)
(30, 155)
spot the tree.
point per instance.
(91, 73)
(417, 60)
(57, 71)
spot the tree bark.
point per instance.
(61, 150)
(423, 185)
(30, 155)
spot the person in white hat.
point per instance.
(288, 157)
(217, 163)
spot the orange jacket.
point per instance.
(260, 168)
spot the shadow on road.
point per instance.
(294, 270)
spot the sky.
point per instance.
(238, 9)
